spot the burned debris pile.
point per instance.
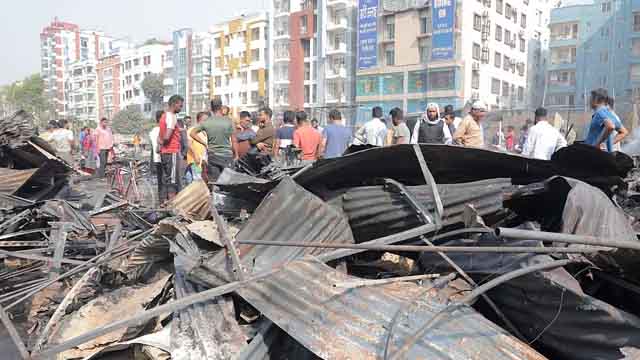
(405, 252)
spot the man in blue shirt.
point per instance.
(603, 122)
(335, 136)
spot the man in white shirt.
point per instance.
(543, 139)
(62, 139)
(155, 150)
(374, 131)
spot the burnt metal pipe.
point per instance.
(422, 248)
(565, 238)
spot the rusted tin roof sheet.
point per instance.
(347, 323)
(288, 213)
(11, 180)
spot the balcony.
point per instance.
(337, 24)
(335, 73)
(336, 49)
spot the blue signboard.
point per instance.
(443, 19)
(367, 34)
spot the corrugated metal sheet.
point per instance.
(375, 211)
(343, 323)
(454, 164)
(289, 212)
(193, 201)
(11, 180)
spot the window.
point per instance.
(634, 72)
(306, 48)
(198, 68)
(147, 107)
(498, 32)
(217, 43)
(244, 97)
(136, 62)
(475, 79)
(307, 71)
(636, 22)
(255, 55)
(128, 78)
(497, 60)
(255, 74)
(136, 77)
(307, 94)
(495, 86)
(303, 24)
(603, 81)
(390, 54)
(522, 45)
(508, 11)
(523, 21)
(243, 77)
(499, 6)
(606, 7)
(182, 56)
(635, 47)
(424, 47)
(127, 65)
(507, 37)
(604, 57)
(147, 60)
(425, 22)
(218, 81)
(477, 22)
(506, 64)
(255, 34)
(390, 28)
(136, 92)
(564, 31)
(107, 72)
(505, 88)
(476, 51)
(218, 62)
(604, 32)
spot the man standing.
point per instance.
(401, 133)
(218, 129)
(154, 135)
(450, 119)
(196, 153)
(374, 131)
(284, 136)
(469, 132)
(610, 106)
(242, 136)
(510, 138)
(603, 123)
(307, 139)
(430, 128)
(62, 139)
(543, 139)
(316, 125)
(336, 137)
(104, 142)
(265, 136)
(170, 148)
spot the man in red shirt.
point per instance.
(170, 148)
(307, 139)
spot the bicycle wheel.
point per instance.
(147, 194)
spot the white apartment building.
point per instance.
(313, 62)
(239, 59)
(81, 92)
(61, 44)
(200, 73)
(135, 64)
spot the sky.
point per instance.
(22, 20)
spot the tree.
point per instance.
(29, 95)
(129, 120)
(154, 90)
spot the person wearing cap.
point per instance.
(469, 132)
(543, 139)
(430, 128)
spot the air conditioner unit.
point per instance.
(475, 65)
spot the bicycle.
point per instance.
(124, 180)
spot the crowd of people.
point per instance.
(183, 151)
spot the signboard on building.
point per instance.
(443, 20)
(367, 34)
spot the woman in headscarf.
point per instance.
(430, 128)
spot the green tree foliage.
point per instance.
(154, 89)
(130, 120)
(29, 95)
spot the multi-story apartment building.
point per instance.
(239, 61)
(187, 69)
(445, 51)
(592, 46)
(81, 92)
(135, 64)
(312, 66)
(108, 71)
(61, 44)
